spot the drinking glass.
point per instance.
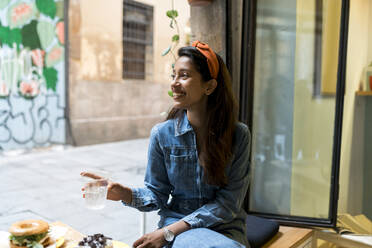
(96, 193)
(95, 190)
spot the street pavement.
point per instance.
(46, 184)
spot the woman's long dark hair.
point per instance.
(221, 119)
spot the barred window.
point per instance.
(137, 40)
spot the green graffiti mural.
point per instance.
(32, 74)
(32, 46)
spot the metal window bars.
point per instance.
(137, 39)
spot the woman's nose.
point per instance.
(174, 82)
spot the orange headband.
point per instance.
(212, 60)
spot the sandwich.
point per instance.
(29, 234)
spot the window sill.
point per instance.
(363, 93)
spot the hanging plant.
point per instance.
(173, 14)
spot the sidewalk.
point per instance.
(47, 185)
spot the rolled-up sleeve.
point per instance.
(229, 199)
(156, 192)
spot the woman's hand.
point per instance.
(151, 240)
(115, 191)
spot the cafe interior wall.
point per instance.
(367, 182)
(104, 107)
(356, 159)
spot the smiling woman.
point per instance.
(195, 84)
(200, 157)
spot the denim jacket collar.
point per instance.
(182, 125)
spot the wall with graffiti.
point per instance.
(32, 84)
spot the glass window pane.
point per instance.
(296, 61)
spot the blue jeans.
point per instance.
(200, 238)
(204, 238)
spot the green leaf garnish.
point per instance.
(36, 245)
(170, 93)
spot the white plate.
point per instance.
(4, 239)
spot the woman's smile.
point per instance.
(177, 95)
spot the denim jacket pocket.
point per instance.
(182, 171)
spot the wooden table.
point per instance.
(338, 239)
(291, 237)
(72, 237)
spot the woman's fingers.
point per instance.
(139, 241)
(89, 174)
(96, 183)
(150, 240)
(114, 191)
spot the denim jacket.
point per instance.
(175, 183)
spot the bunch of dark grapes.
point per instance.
(97, 240)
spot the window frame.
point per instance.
(246, 94)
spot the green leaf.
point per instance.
(10, 36)
(30, 36)
(169, 13)
(47, 7)
(50, 75)
(176, 37)
(3, 34)
(16, 36)
(166, 51)
(46, 33)
(172, 14)
(170, 93)
(36, 245)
